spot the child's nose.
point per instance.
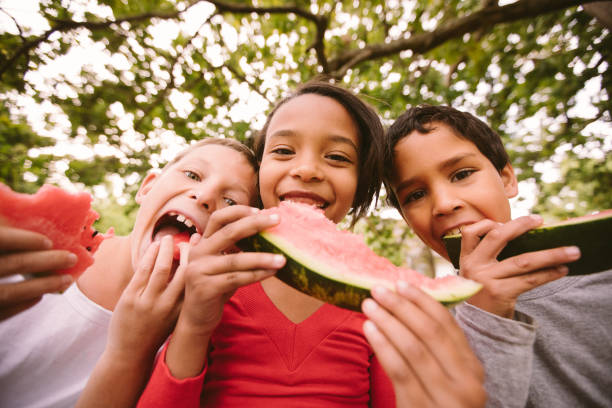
(307, 171)
(205, 198)
(445, 202)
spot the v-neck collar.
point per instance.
(294, 341)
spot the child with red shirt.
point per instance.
(271, 345)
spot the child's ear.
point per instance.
(145, 186)
(509, 180)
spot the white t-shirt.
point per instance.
(48, 351)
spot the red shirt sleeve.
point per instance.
(382, 394)
(163, 390)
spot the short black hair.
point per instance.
(370, 133)
(421, 118)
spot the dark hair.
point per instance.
(370, 133)
(422, 118)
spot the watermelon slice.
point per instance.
(337, 266)
(591, 233)
(65, 218)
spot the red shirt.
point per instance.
(259, 358)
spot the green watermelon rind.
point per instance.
(591, 235)
(316, 279)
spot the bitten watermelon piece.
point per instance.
(591, 233)
(337, 266)
(65, 218)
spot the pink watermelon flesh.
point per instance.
(65, 218)
(344, 256)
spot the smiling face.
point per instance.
(179, 201)
(442, 181)
(311, 155)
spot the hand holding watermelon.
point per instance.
(26, 252)
(503, 281)
(422, 349)
(211, 277)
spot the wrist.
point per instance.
(187, 352)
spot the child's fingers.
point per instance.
(177, 283)
(237, 230)
(242, 261)
(226, 216)
(416, 358)
(515, 285)
(36, 262)
(396, 368)
(12, 310)
(497, 238)
(472, 234)
(18, 292)
(421, 316)
(15, 239)
(163, 266)
(547, 259)
(144, 268)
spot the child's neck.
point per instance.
(104, 281)
(295, 305)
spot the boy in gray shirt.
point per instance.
(544, 338)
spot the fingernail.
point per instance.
(369, 327)
(536, 218)
(47, 243)
(562, 269)
(379, 291)
(72, 258)
(369, 306)
(278, 260)
(573, 252)
(274, 217)
(67, 280)
(402, 286)
(254, 210)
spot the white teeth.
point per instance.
(188, 223)
(454, 231)
(181, 218)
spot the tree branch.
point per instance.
(423, 42)
(321, 22)
(61, 26)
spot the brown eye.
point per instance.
(462, 174)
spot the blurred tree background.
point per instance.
(92, 94)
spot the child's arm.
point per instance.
(141, 322)
(422, 350)
(27, 252)
(211, 278)
(504, 281)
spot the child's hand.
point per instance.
(142, 320)
(213, 273)
(27, 252)
(422, 350)
(504, 281)
(148, 307)
(215, 270)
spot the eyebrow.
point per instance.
(449, 163)
(334, 138)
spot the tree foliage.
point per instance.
(160, 72)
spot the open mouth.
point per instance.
(454, 231)
(178, 226)
(306, 198)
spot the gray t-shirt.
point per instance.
(557, 352)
